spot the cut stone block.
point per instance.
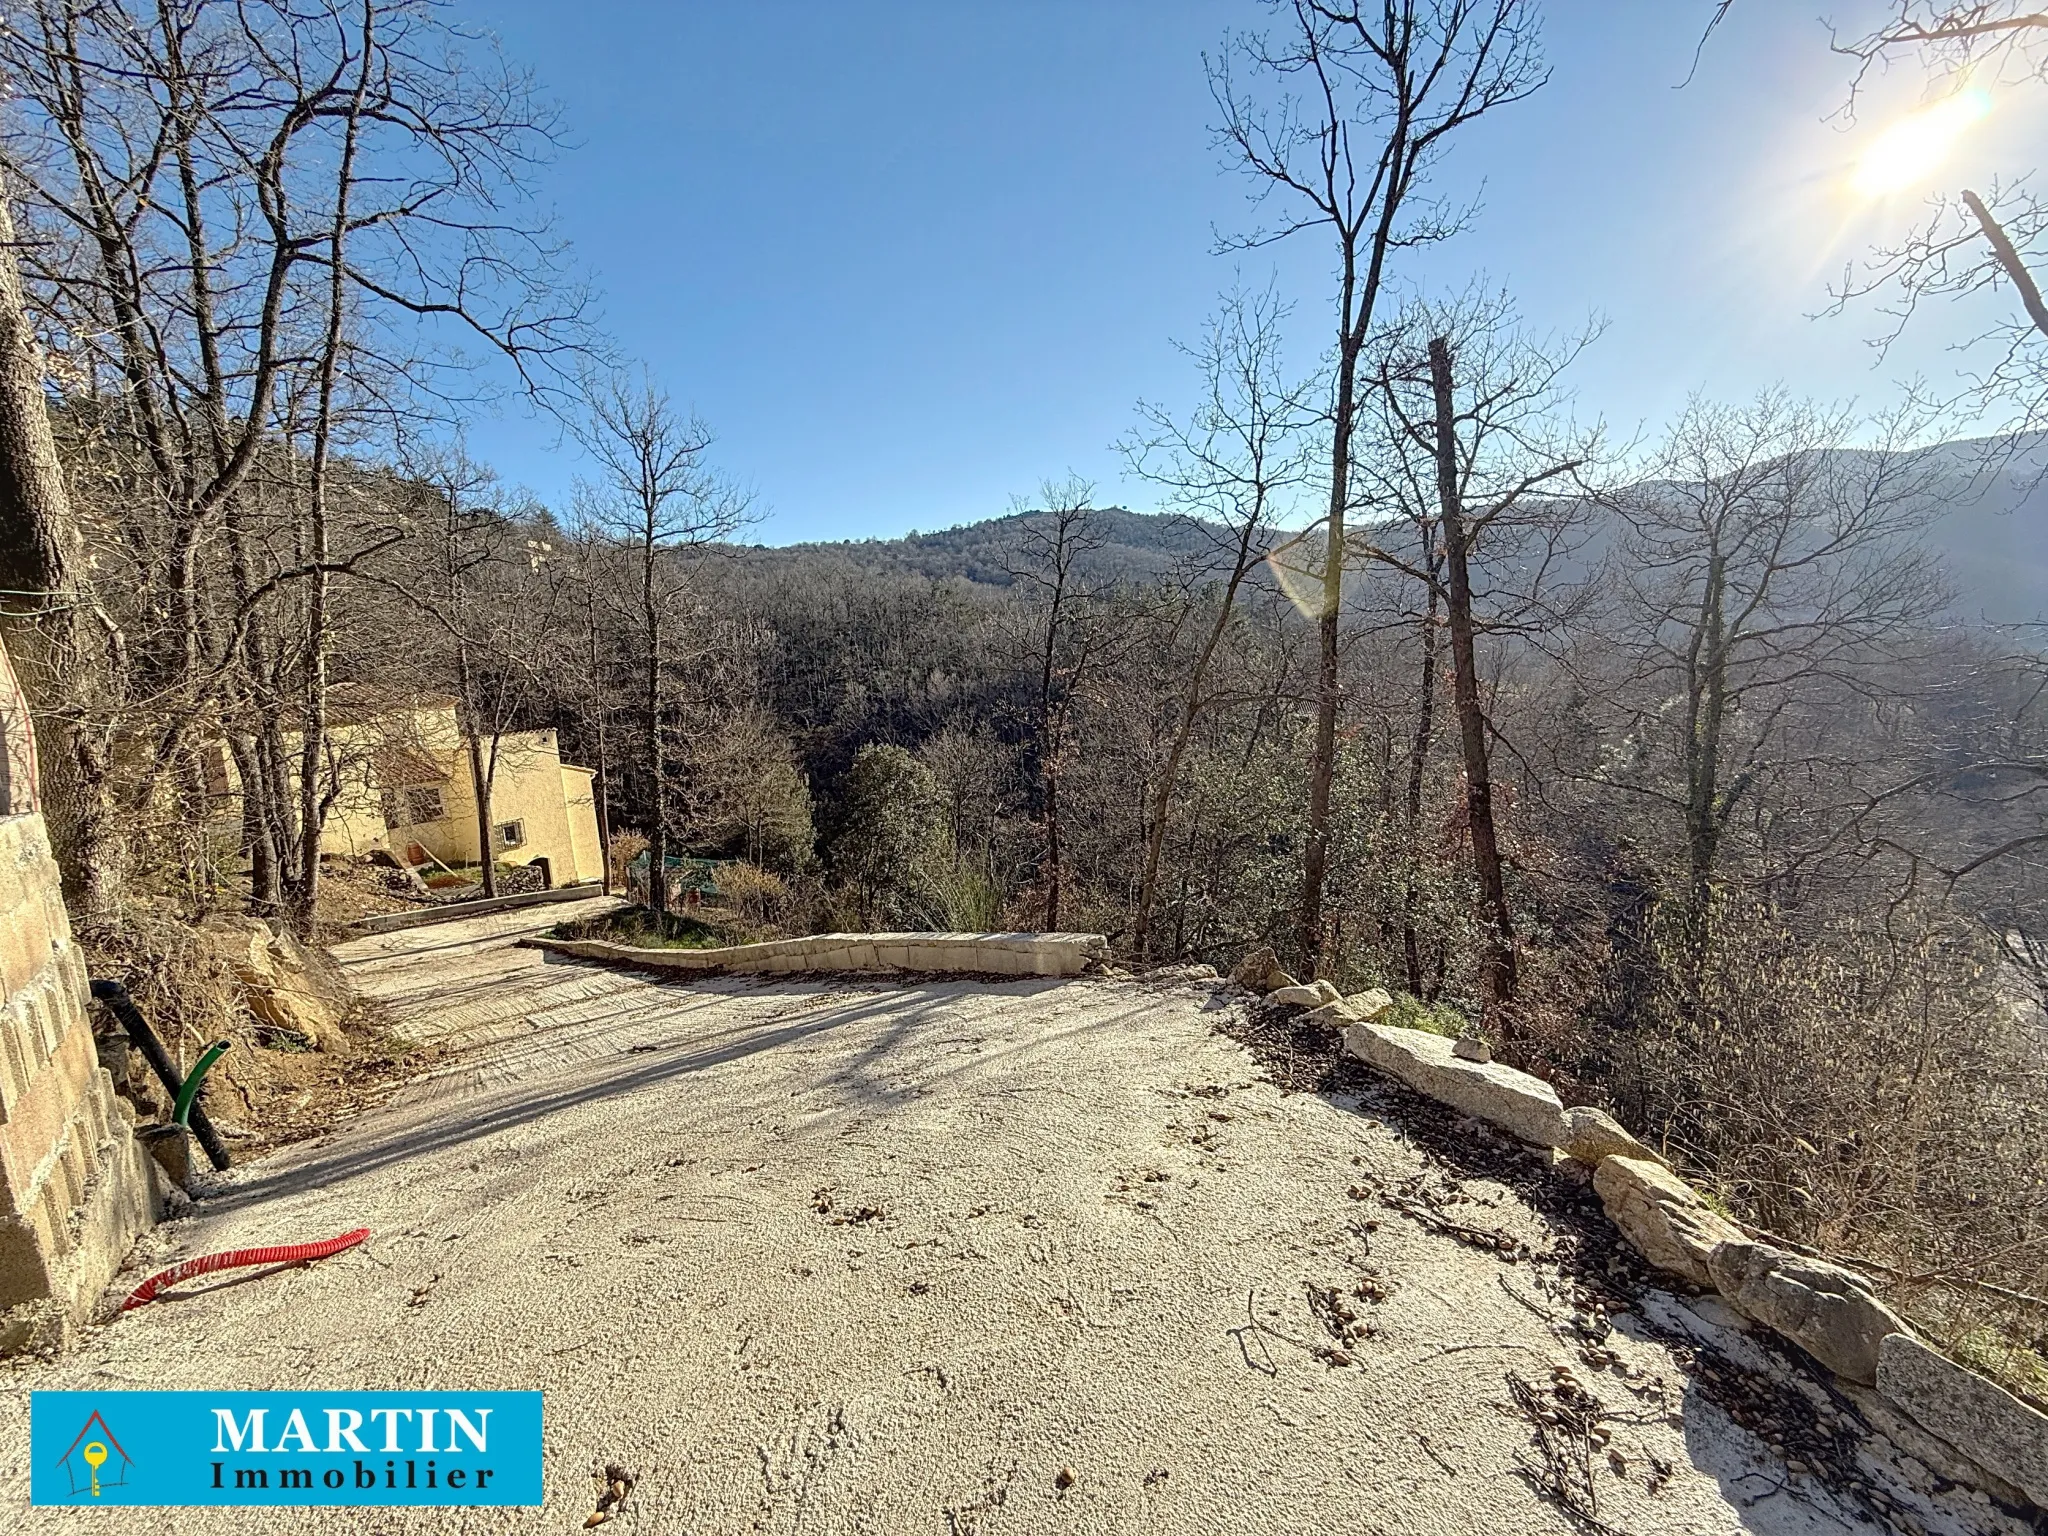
(1662, 1216)
(1592, 1134)
(1826, 1310)
(1976, 1415)
(1371, 1003)
(1524, 1106)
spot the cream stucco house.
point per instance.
(405, 788)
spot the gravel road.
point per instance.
(863, 1256)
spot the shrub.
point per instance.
(1412, 1012)
(757, 899)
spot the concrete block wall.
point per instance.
(76, 1189)
(971, 954)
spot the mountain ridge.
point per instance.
(1991, 532)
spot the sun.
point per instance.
(1909, 150)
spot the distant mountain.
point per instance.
(1991, 531)
(1137, 546)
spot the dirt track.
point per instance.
(818, 1257)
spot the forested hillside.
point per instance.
(1989, 526)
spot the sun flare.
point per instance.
(1909, 150)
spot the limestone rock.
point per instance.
(1826, 1310)
(1662, 1216)
(1371, 1003)
(285, 984)
(1935, 1456)
(1979, 1417)
(1592, 1134)
(1254, 968)
(1296, 996)
(1524, 1106)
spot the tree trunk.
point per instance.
(480, 789)
(601, 783)
(1418, 762)
(1706, 702)
(479, 780)
(1155, 833)
(1048, 745)
(1052, 846)
(258, 836)
(657, 770)
(1497, 964)
(1162, 800)
(38, 540)
(313, 739)
(1323, 760)
(36, 531)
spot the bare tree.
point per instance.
(1478, 456)
(665, 509)
(313, 805)
(1068, 641)
(239, 219)
(588, 556)
(1367, 99)
(482, 573)
(1230, 470)
(1769, 572)
(41, 589)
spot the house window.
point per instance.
(423, 803)
(511, 834)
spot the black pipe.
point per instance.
(115, 999)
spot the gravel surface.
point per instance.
(812, 1256)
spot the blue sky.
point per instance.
(911, 257)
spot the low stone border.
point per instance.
(448, 912)
(983, 954)
(1827, 1310)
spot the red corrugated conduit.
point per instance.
(242, 1258)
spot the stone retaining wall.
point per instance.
(453, 911)
(974, 954)
(1831, 1312)
(75, 1187)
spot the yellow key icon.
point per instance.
(95, 1456)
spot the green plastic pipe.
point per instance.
(188, 1094)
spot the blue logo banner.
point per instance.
(170, 1448)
